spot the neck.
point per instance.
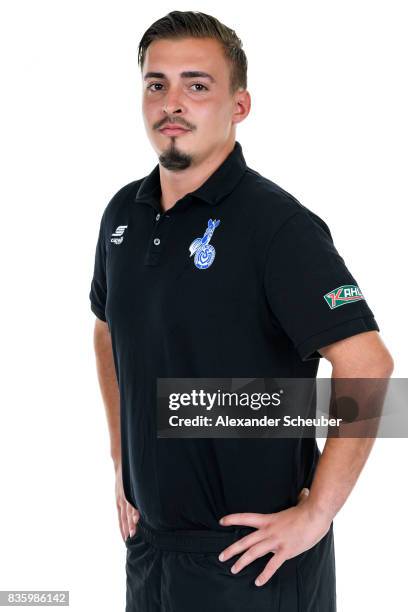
(175, 185)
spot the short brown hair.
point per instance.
(184, 24)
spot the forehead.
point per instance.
(175, 55)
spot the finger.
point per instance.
(250, 519)
(120, 527)
(303, 495)
(241, 545)
(259, 550)
(130, 519)
(135, 515)
(122, 531)
(123, 518)
(270, 568)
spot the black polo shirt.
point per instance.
(236, 279)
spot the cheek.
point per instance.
(150, 106)
(210, 112)
(215, 120)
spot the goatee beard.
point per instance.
(174, 159)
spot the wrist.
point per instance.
(117, 461)
(319, 511)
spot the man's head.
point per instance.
(194, 74)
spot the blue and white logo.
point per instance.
(203, 251)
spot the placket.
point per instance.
(161, 223)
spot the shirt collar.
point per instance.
(218, 185)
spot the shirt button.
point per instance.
(157, 216)
(156, 241)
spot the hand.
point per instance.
(287, 533)
(127, 514)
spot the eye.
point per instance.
(199, 85)
(152, 86)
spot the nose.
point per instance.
(172, 103)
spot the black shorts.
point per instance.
(179, 571)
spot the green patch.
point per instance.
(343, 295)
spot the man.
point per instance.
(204, 268)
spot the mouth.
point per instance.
(176, 130)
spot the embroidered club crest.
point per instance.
(203, 251)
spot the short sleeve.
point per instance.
(98, 291)
(311, 293)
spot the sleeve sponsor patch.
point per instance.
(343, 295)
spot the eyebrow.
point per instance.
(187, 74)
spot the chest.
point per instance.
(180, 269)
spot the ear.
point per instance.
(242, 105)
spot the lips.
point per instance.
(173, 130)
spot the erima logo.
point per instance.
(204, 253)
(120, 230)
(343, 295)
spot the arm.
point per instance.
(342, 460)
(291, 532)
(128, 515)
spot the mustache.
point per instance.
(179, 121)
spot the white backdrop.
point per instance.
(328, 124)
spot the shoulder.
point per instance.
(269, 207)
(118, 204)
(122, 197)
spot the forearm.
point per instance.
(109, 387)
(343, 458)
(339, 467)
